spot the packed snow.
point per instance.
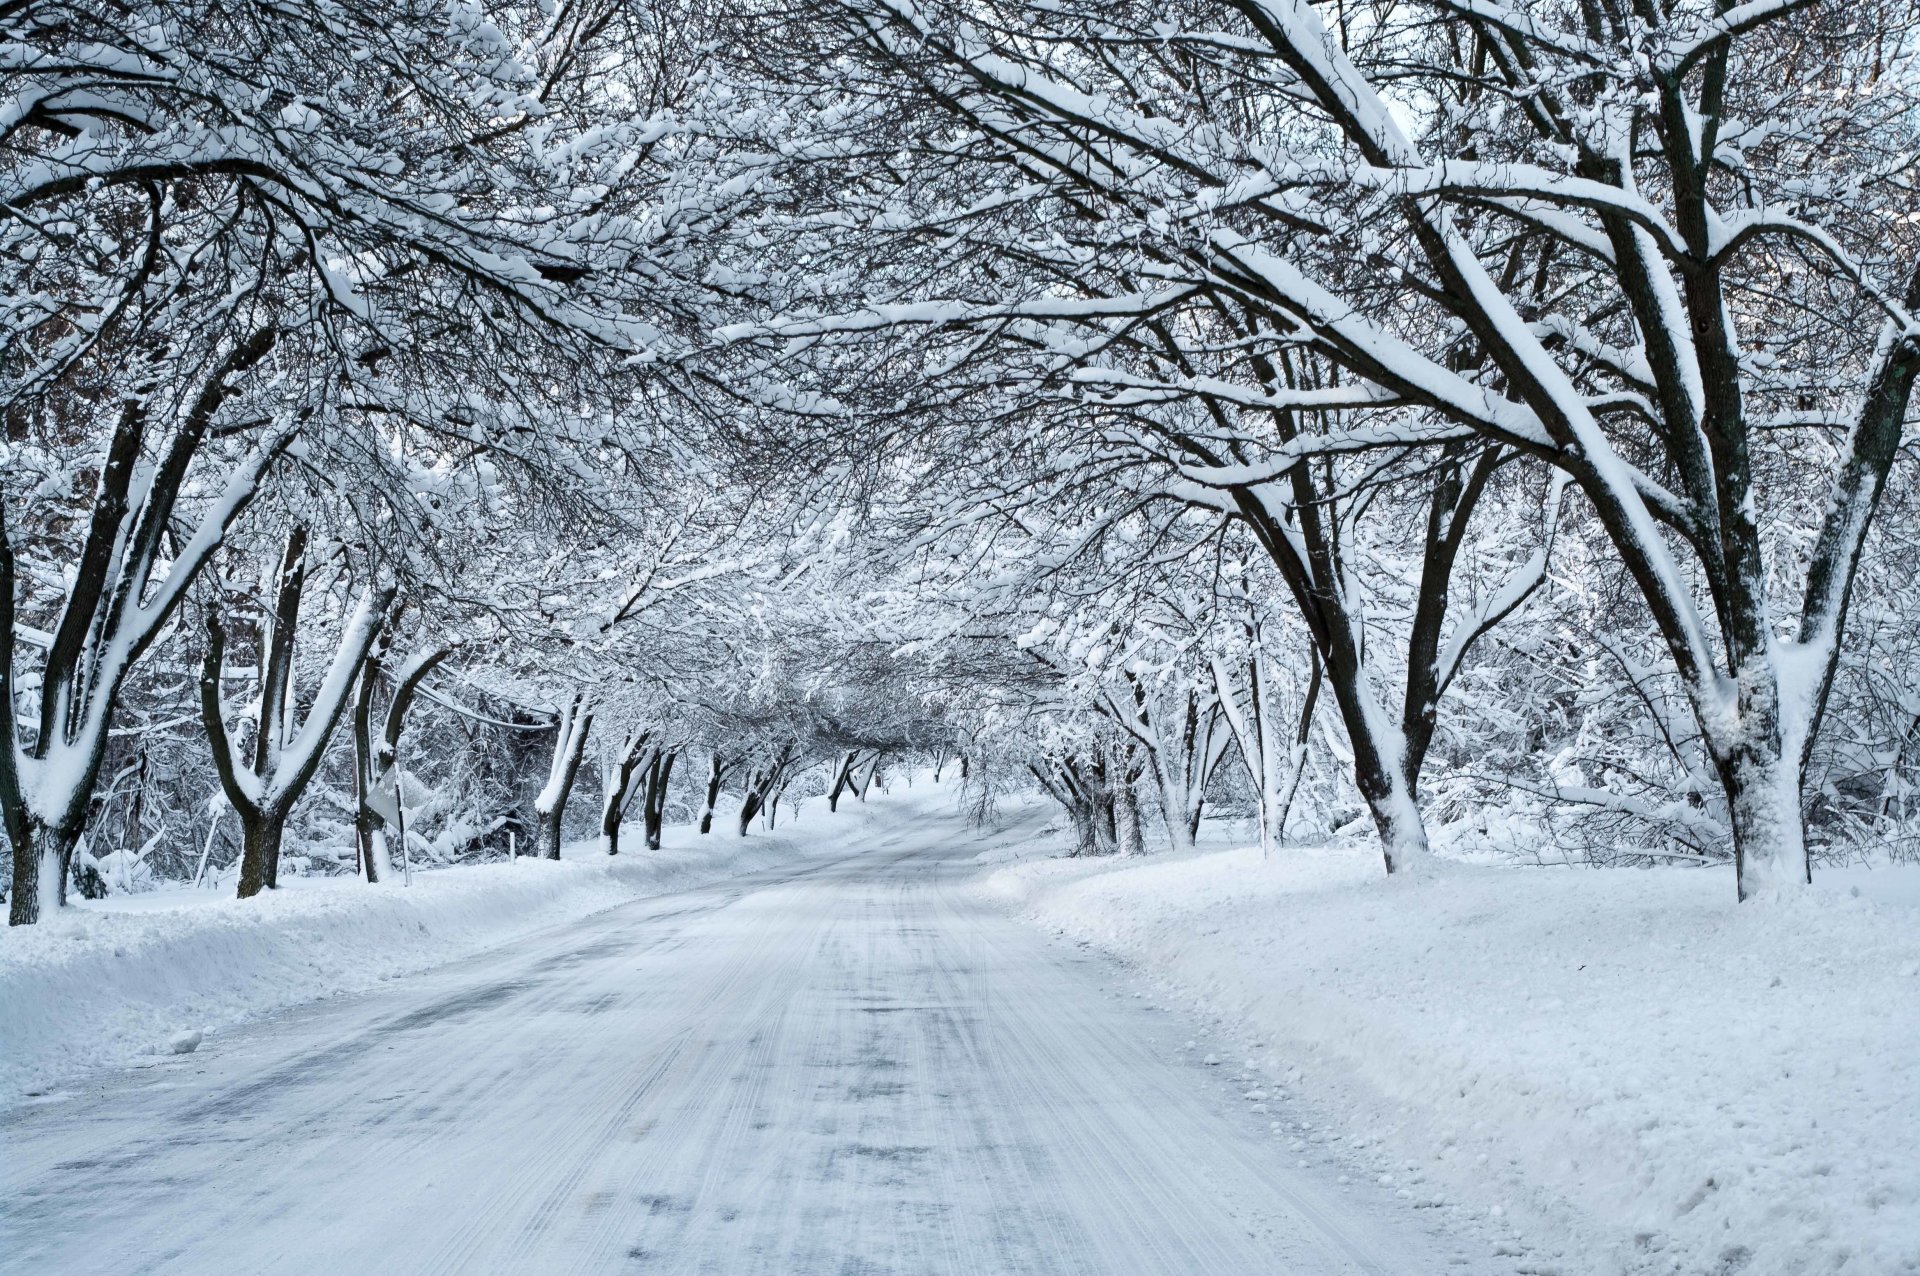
(1625, 1069)
(842, 1064)
(110, 982)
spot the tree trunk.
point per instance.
(616, 787)
(1395, 811)
(659, 775)
(569, 747)
(1298, 761)
(41, 862)
(290, 765)
(366, 823)
(550, 830)
(841, 776)
(1106, 829)
(1126, 803)
(377, 765)
(1084, 840)
(872, 769)
(1769, 847)
(1760, 775)
(715, 772)
(260, 837)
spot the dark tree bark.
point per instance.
(366, 821)
(654, 809)
(1082, 790)
(569, 747)
(377, 762)
(284, 763)
(619, 787)
(111, 616)
(762, 787)
(717, 769)
(842, 775)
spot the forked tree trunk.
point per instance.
(617, 788)
(842, 775)
(377, 761)
(284, 761)
(1089, 804)
(763, 788)
(1379, 747)
(115, 608)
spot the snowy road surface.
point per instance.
(848, 1066)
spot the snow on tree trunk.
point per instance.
(379, 861)
(1763, 802)
(654, 810)
(618, 786)
(41, 862)
(1379, 772)
(1755, 744)
(1129, 837)
(842, 776)
(716, 771)
(569, 748)
(114, 610)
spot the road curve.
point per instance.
(852, 1066)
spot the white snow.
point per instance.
(843, 1064)
(1624, 1066)
(108, 982)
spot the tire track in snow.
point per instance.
(850, 1067)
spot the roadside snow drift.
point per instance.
(1640, 1074)
(136, 975)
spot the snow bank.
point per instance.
(1626, 1066)
(107, 982)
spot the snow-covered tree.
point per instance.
(1590, 235)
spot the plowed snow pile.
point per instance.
(1636, 1072)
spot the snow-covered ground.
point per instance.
(844, 1064)
(1624, 1071)
(113, 981)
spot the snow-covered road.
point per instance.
(849, 1066)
